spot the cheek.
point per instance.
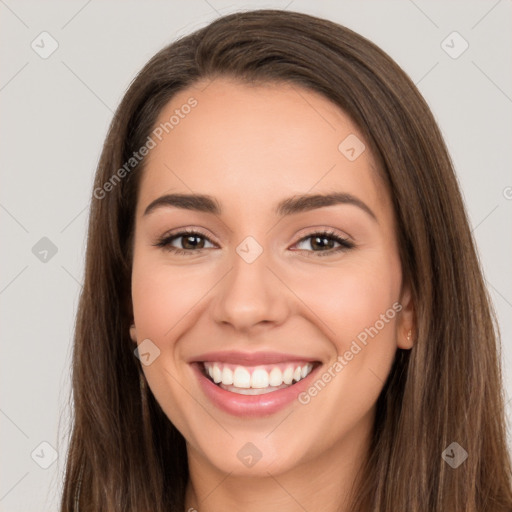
(163, 296)
(166, 300)
(356, 309)
(352, 297)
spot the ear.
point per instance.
(405, 322)
(133, 333)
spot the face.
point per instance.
(269, 321)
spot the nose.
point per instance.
(251, 295)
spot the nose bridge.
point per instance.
(250, 293)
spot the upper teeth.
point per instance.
(257, 377)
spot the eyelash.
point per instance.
(165, 242)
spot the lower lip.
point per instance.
(251, 405)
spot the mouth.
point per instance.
(256, 380)
(253, 385)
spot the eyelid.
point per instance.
(176, 232)
(312, 230)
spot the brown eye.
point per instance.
(324, 243)
(190, 241)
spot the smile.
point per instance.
(253, 384)
(256, 380)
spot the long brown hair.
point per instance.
(124, 453)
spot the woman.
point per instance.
(220, 361)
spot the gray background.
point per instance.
(54, 117)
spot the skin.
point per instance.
(250, 147)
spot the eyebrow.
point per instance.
(288, 206)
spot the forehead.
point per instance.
(252, 145)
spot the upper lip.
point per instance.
(249, 358)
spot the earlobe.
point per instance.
(133, 333)
(406, 338)
(409, 341)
